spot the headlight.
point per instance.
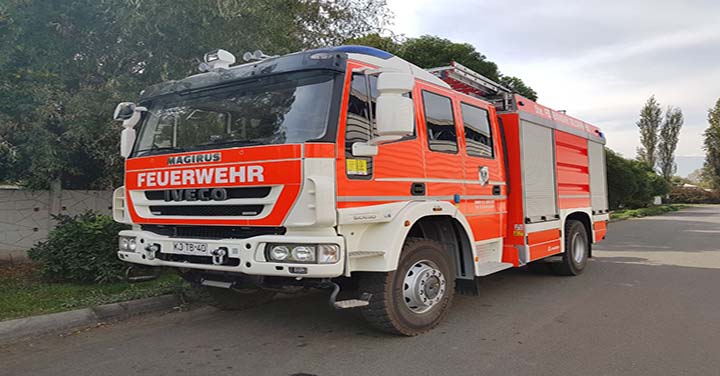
(279, 252)
(127, 244)
(303, 253)
(124, 243)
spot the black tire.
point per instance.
(570, 266)
(234, 300)
(388, 310)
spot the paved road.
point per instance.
(648, 305)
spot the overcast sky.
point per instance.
(600, 60)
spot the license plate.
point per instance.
(190, 248)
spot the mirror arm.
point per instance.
(135, 118)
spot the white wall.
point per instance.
(26, 216)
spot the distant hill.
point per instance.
(686, 165)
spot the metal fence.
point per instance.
(26, 216)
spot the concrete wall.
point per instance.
(26, 216)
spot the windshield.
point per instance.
(286, 108)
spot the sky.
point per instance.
(599, 60)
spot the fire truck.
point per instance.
(349, 168)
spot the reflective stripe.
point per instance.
(437, 180)
(574, 196)
(414, 198)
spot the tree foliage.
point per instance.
(81, 248)
(430, 51)
(632, 183)
(64, 64)
(649, 125)
(669, 134)
(712, 146)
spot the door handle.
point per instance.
(497, 190)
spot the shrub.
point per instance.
(632, 184)
(81, 249)
(693, 195)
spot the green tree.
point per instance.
(631, 183)
(430, 51)
(712, 147)
(64, 64)
(669, 134)
(517, 85)
(649, 125)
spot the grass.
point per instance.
(645, 212)
(23, 293)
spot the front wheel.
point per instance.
(577, 249)
(416, 297)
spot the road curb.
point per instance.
(14, 330)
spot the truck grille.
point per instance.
(232, 193)
(208, 210)
(212, 232)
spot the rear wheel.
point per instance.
(577, 249)
(233, 300)
(416, 297)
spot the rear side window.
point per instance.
(478, 134)
(440, 123)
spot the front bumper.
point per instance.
(250, 253)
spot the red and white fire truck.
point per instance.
(352, 167)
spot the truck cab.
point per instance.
(350, 166)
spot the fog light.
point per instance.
(123, 243)
(328, 253)
(132, 244)
(303, 254)
(279, 253)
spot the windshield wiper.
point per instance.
(234, 142)
(159, 149)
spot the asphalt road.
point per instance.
(649, 304)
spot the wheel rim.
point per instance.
(423, 287)
(578, 248)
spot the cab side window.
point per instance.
(478, 134)
(440, 123)
(360, 123)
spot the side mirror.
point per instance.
(124, 111)
(395, 114)
(130, 115)
(127, 140)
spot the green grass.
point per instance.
(23, 294)
(645, 212)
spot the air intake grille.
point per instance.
(212, 232)
(208, 210)
(232, 193)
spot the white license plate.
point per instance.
(190, 248)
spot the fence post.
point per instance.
(55, 202)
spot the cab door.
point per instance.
(485, 187)
(441, 149)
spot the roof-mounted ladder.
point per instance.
(466, 80)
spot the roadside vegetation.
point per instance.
(77, 267)
(23, 292)
(645, 212)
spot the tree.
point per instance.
(649, 124)
(631, 183)
(517, 85)
(712, 147)
(430, 51)
(669, 133)
(64, 64)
